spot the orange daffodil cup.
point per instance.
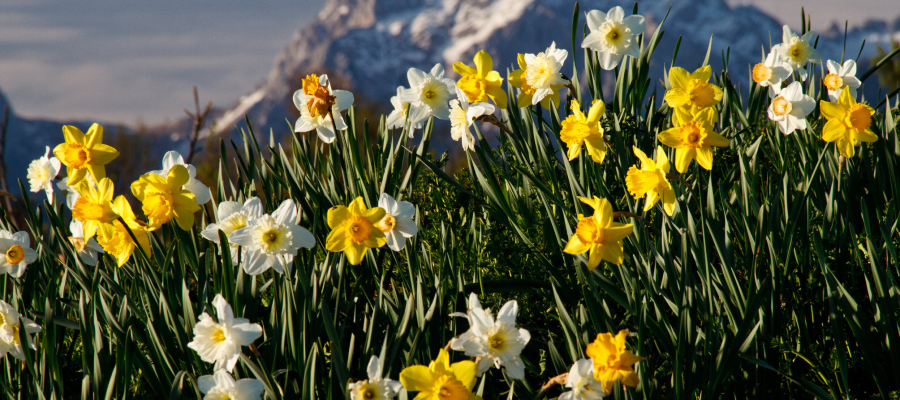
(354, 230)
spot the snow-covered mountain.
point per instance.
(370, 44)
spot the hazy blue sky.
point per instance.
(119, 61)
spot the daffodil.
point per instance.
(440, 380)
(10, 336)
(115, 238)
(650, 180)
(497, 342)
(612, 361)
(539, 77)
(848, 123)
(797, 51)
(578, 128)
(84, 153)
(199, 190)
(318, 104)
(94, 206)
(431, 91)
(376, 387)
(405, 114)
(71, 192)
(220, 342)
(582, 382)
(613, 36)
(232, 216)
(481, 82)
(272, 241)
(840, 77)
(397, 224)
(771, 72)
(790, 108)
(164, 198)
(353, 230)
(692, 137)
(462, 116)
(692, 91)
(17, 253)
(88, 249)
(42, 172)
(598, 234)
(222, 386)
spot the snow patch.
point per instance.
(244, 104)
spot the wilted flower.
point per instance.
(539, 77)
(220, 342)
(164, 198)
(481, 82)
(10, 342)
(42, 172)
(222, 386)
(115, 238)
(94, 206)
(651, 181)
(462, 116)
(578, 128)
(397, 224)
(199, 190)
(598, 234)
(771, 72)
(83, 153)
(692, 91)
(498, 343)
(790, 108)
(612, 361)
(848, 123)
(440, 380)
(613, 35)
(840, 76)
(797, 51)
(89, 249)
(582, 382)
(353, 230)
(233, 216)
(693, 137)
(376, 387)
(430, 91)
(17, 253)
(318, 103)
(272, 241)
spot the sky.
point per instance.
(135, 62)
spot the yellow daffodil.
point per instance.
(440, 380)
(848, 123)
(692, 91)
(693, 135)
(482, 81)
(94, 207)
(354, 230)
(612, 361)
(598, 234)
(165, 198)
(650, 180)
(115, 238)
(83, 153)
(578, 128)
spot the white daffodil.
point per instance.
(839, 76)
(222, 386)
(42, 172)
(16, 253)
(10, 341)
(376, 387)
(613, 35)
(272, 241)
(771, 72)
(87, 250)
(199, 190)
(542, 72)
(430, 91)
(232, 216)
(406, 114)
(397, 224)
(790, 108)
(220, 342)
(318, 103)
(797, 51)
(498, 342)
(581, 381)
(462, 116)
